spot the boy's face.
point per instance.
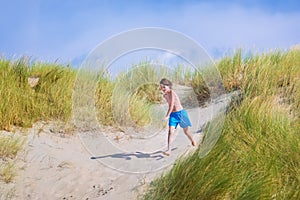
(164, 88)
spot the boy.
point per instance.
(176, 114)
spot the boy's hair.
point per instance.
(165, 81)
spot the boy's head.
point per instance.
(165, 84)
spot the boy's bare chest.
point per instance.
(168, 97)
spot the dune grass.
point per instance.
(9, 147)
(200, 88)
(127, 99)
(22, 105)
(51, 99)
(257, 155)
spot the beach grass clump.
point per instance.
(133, 94)
(207, 83)
(127, 99)
(7, 172)
(274, 74)
(149, 92)
(103, 95)
(9, 147)
(231, 70)
(16, 96)
(200, 88)
(257, 155)
(22, 105)
(139, 110)
(183, 74)
(55, 89)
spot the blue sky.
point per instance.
(50, 30)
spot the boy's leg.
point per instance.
(170, 137)
(189, 135)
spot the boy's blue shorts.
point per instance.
(179, 117)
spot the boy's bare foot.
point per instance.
(167, 153)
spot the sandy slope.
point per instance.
(56, 167)
(61, 168)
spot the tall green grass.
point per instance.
(232, 70)
(127, 99)
(104, 92)
(51, 98)
(257, 155)
(22, 105)
(200, 88)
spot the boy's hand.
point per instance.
(165, 119)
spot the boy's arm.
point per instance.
(171, 104)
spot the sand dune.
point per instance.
(96, 165)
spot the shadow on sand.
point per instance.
(128, 156)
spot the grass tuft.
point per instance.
(9, 147)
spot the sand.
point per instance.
(98, 164)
